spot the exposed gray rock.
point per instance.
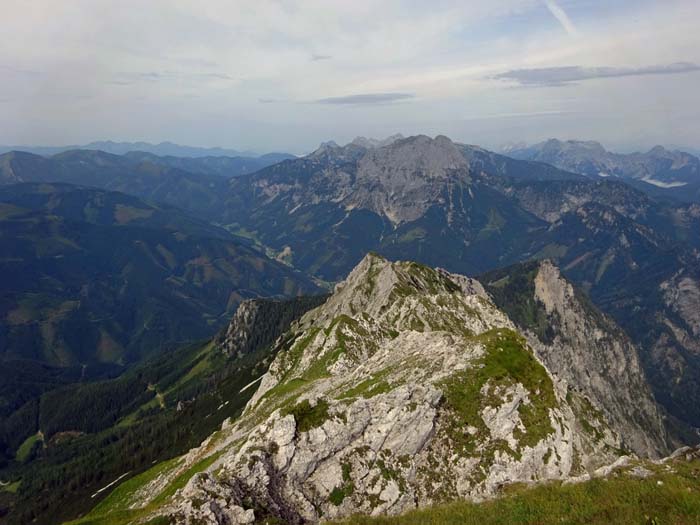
(407, 387)
(595, 357)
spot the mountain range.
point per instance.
(568, 299)
(470, 210)
(659, 171)
(121, 148)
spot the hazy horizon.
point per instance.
(285, 76)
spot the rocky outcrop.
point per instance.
(584, 348)
(407, 387)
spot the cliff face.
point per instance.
(407, 387)
(258, 322)
(583, 347)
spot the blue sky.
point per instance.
(286, 75)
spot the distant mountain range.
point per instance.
(658, 171)
(121, 148)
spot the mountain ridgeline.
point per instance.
(409, 387)
(658, 172)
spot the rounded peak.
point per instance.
(659, 151)
(418, 153)
(443, 139)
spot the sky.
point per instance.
(278, 75)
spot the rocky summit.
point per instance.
(409, 386)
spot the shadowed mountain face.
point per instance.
(657, 172)
(92, 276)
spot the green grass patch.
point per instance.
(507, 361)
(621, 500)
(373, 386)
(11, 487)
(25, 449)
(122, 497)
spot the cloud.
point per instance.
(128, 78)
(525, 114)
(558, 76)
(316, 58)
(367, 98)
(561, 16)
(17, 70)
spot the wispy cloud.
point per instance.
(367, 98)
(558, 76)
(561, 16)
(316, 57)
(128, 78)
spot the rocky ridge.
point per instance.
(583, 347)
(407, 387)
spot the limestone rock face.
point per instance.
(407, 387)
(584, 348)
(592, 354)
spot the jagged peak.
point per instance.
(376, 143)
(375, 283)
(418, 154)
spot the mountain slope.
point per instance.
(583, 347)
(93, 432)
(630, 493)
(418, 197)
(91, 276)
(407, 387)
(612, 245)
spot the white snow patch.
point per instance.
(662, 184)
